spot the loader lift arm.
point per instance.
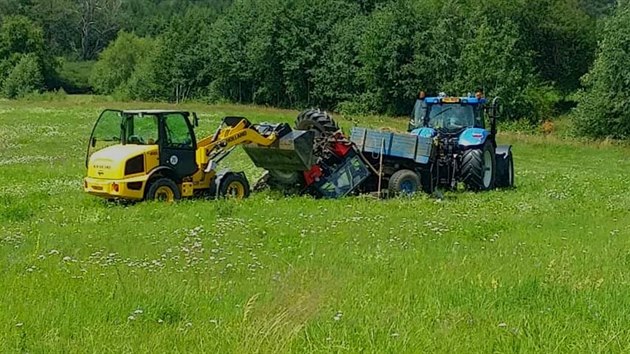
(232, 132)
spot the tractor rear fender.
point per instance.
(503, 152)
(473, 137)
(505, 166)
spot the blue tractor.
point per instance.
(466, 150)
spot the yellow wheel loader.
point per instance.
(153, 154)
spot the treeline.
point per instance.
(369, 56)
(36, 36)
(361, 56)
(80, 29)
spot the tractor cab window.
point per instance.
(479, 117)
(177, 132)
(451, 116)
(419, 112)
(142, 129)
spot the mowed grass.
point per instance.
(542, 268)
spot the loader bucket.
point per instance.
(292, 152)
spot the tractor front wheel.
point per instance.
(163, 189)
(478, 168)
(234, 185)
(404, 182)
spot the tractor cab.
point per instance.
(448, 114)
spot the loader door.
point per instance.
(107, 131)
(177, 144)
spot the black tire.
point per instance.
(474, 172)
(234, 185)
(404, 182)
(505, 173)
(428, 182)
(158, 190)
(318, 120)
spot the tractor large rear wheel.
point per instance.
(479, 168)
(317, 120)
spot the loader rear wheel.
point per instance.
(234, 186)
(404, 182)
(163, 189)
(479, 168)
(318, 120)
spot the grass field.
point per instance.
(542, 268)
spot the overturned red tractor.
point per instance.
(321, 161)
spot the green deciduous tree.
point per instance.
(22, 53)
(26, 77)
(604, 105)
(118, 62)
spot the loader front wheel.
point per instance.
(478, 168)
(163, 189)
(234, 186)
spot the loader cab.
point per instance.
(169, 135)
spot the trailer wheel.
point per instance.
(234, 185)
(163, 189)
(318, 120)
(404, 182)
(479, 168)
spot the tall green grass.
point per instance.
(542, 268)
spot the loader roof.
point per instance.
(153, 111)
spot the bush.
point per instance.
(74, 76)
(118, 61)
(25, 78)
(47, 96)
